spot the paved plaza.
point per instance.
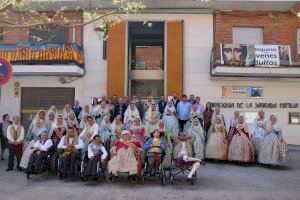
(216, 181)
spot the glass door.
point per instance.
(146, 59)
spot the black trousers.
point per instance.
(92, 166)
(14, 151)
(182, 123)
(69, 160)
(35, 161)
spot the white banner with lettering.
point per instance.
(266, 55)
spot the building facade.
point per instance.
(184, 51)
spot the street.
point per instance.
(215, 181)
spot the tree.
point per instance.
(27, 14)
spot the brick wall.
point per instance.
(14, 36)
(282, 31)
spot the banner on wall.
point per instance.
(51, 52)
(255, 55)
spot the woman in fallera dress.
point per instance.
(84, 112)
(116, 129)
(50, 118)
(72, 121)
(195, 113)
(33, 136)
(241, 147)
(171, 120)
(101, 112)
(217, 145)
(94, 107)
(130, 115)
(273, 149)
(259, 131)
(67, 110)
(197, 132)
(151, 119)
(233, 123)
(104, 131)
(41, 114)
(137, 131)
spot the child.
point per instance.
(182, 155)
(96, 153)
(155, 146)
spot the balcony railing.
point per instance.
(235, 60)
(47, 54)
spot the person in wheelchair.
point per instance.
(41, 150)
(70, 146)
(155, 147)
(96, 153)
(125, 156)
(183, 155)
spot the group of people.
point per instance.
(125, 131)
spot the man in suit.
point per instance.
(139, 105)
(175, 99)
(120, 108)
(3, 131)
(162, 104)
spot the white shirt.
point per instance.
(10, 138)
(95, 132)
(61, 144)
(43, 147)
(182, 150)
(104, 152)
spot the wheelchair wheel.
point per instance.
(172, 178)
(47, 174)
(133, 179)
(163, 178)
(83, 178)
(110, 178)
(60, 175)
(143, 179)
(28, 175)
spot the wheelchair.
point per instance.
(45, 168)
(177, 169)
(84, 165)
(160, 173)
(110, 178)
(77, 166)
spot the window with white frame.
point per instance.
(247, 35)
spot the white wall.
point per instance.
(12, 105)
(95, 79)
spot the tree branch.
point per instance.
(6, 7)
(59, 23)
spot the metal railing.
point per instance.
(215, 59)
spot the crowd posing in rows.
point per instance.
(122, 134)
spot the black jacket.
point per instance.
(161, 106)
(1, 129)
(116, 111)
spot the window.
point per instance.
(242, 92)
(298, 40)
(294, 118)
(42, 37)
(246, 35)
(1, 35)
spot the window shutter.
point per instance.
(174, 69)
(116, 52)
